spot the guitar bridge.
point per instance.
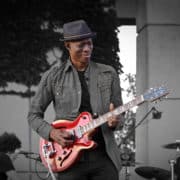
(48, 150)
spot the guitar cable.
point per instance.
(49, 167)
(38, 163)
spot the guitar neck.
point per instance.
(119, 110)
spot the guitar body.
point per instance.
(62, 158)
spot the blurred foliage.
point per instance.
(31, 28)
(131, 81)
(125, 135)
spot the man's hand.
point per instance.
(113, 120)
(62, 137)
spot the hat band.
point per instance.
(74, 36)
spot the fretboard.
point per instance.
(117, 111)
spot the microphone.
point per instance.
(156, 114)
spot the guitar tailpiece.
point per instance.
(47, 152)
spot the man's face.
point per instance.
(80, 51)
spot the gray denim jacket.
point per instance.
(62, 86)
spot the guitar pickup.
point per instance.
(73, 137)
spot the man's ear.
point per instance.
(67, 45)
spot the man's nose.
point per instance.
(87, 47)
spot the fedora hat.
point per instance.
(76, 30)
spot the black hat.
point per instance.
(76, 30)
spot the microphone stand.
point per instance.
(127, 173)
(137, 125)
(172, 163)
(40, 172)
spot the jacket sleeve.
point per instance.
(39, 103)
(116, 97)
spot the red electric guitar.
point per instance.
(82, 128)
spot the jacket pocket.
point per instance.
(65, 99)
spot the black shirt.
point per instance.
(86, 106)
(85, 98)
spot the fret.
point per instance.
(85, 127)
(102, 120)
(140, 99)
(116, 112)
(122, 109)
(94, 123)
(126, 107)
(81, 129)
(109, 114)
(98, 121)
(132, 103)
(91, 124)
(88, 126)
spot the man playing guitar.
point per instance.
(76, 86)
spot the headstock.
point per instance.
(155, 93)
